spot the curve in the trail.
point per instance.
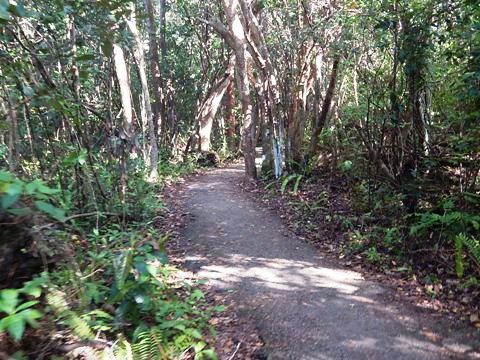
(303, 305)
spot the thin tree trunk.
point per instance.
(231, 121)
(125, 94)
(139, 54)
(12, 134)
(236, 38)
(155, 67)
(163, 66)
(321, 120)
(271, 95)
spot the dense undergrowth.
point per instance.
(104, 284)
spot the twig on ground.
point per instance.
(236, 350)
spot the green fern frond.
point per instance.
(473, 246)
(78, 326)
(57, 301)
(150, 345)
(287, 180)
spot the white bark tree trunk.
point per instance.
(207, 111)
(125, 94)
(237, 40)
(147, 108)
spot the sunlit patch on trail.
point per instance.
(280, 274)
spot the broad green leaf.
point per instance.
(38, 186)
(26, 305)
(30, 316)
(15, 326)
(34, 287)
(5, 176)
(9, 200)
(44, 189)
(152, 269)
(197, 294)
(162, 257)
(14, 188)
(122, 264)
(82, 157)
(54, 212)
(8, 300)
(31, 187)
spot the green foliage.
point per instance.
(455, 226)
(459, 266)
(372, 255)
(289, 178)
(18, 313)
(472, 245)
(157, 316)
(12, 190)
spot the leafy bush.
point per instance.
(455, 226)
(18, 313)
(12, 190)
(136, 298)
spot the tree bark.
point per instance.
(207, 111)
(235, 37)
(11, 115)
(125, 94)
(163, 69)
(155, 67)
(327, 102)
(271, 95)
(231, 121)
(146, 106)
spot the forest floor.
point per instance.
(300, 302)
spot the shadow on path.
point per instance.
(303, 306)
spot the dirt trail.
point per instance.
(303, 305)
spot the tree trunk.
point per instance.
(146, 106)
(11, 115)
(163, 69)
(231, 121)
(238, 41)
(322, 118)
(155, 67)
(207, 111)
(125, 94)
(271, 95)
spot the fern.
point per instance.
(297, 183)
(124, 351)
(287, 180)
(473, 246)
(56, 300)
(150, 345)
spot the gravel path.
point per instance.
(303, 305)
